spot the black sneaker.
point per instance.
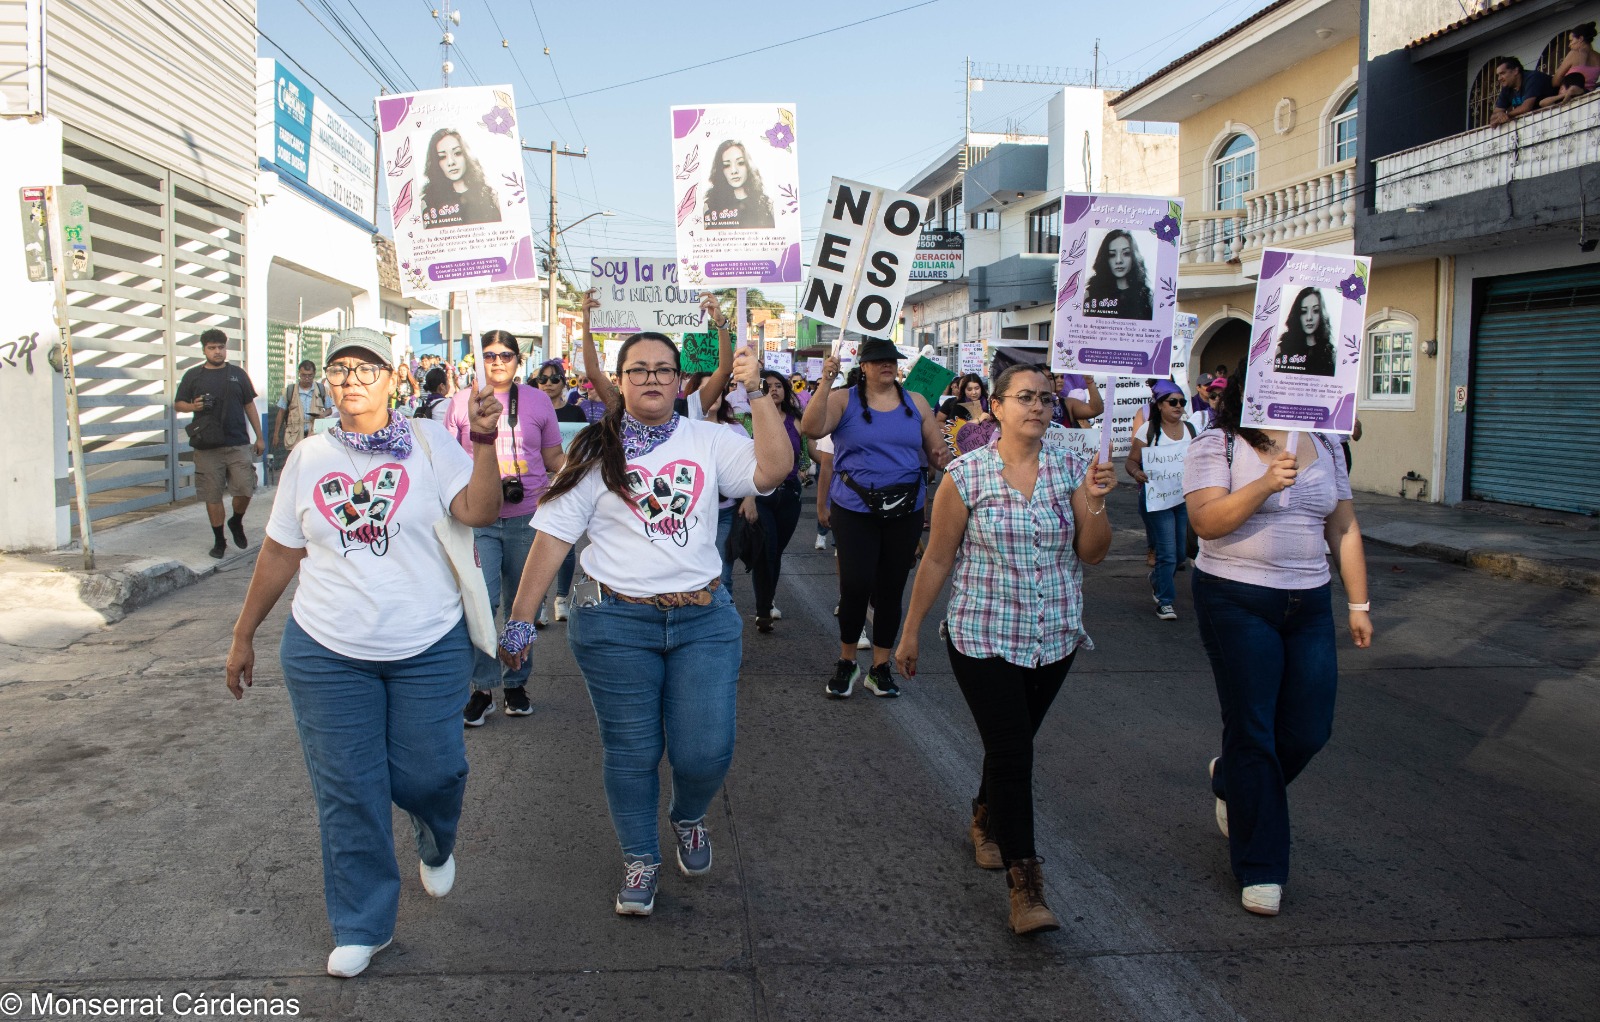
(880, 682)
(478, 707)
(219, 550)
(517, 704)
(843, 682)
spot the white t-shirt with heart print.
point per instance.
(375, 583)
(664, 538)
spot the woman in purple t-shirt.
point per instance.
(1263, 507)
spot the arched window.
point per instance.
(1342, 130)
(1480, 100)
(1233, 173)
(1554, 53)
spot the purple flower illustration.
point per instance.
(1353, 287)
(498, 120)
(779, 136)
(1167, 229)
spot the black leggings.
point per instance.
(1008, 704)
(875, 557)
(779, 513)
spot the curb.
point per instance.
(1581, 577)
(114, 594)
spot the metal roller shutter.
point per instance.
(1535, 359)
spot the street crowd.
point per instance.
(458, 503)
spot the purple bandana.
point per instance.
(639, 439)
(395, 438)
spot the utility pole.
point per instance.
(447, 18)
(550, 313)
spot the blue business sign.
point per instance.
(308, 142)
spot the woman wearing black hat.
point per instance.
(883, 436)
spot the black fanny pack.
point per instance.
(888, 502)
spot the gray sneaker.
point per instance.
(694, 847)
(638, 894)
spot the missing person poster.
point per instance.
(862, 263)
(736, 189)
(452, 165)
(1116, 285)
(1305, 361)
(638, 293)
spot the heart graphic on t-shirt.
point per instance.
(374, 501)
(665, 500)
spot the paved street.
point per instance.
(159, 838)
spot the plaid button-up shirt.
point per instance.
(1017, 593)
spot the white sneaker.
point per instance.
(1262, 899)
(822, 543)
(352, 959)
(835, 610)
(437, 880)
(865, 642)
(561, 608)
(542, 619)
(777, 615)
(1222, 807)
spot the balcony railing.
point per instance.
(1281, 216)
(1560, 138)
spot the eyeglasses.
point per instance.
(365, 373)
(499, 356)
(548, 379)
(639, 376)
(1025, 398)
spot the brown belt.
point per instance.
(667, 601)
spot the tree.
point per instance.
(753, 300)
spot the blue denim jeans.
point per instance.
(502, 551)
(1170, 529)
(724, 527)
(660, 680)
(1272, 652)
(376, 732)
(569, 566)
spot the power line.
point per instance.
(371, 73)
(399, 66)
(746, 53)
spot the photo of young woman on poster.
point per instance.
(1119, 287)
(454, 191)
(735, 198)
(1306, 345)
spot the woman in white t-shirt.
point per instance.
(378, 707)
(658, 640)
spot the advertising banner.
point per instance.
(452, 164)
(1305, 362)
(308, 142)
(939, 256)
(860, 269)
(1131, 395)
(1116, 285)
(639, 293)
(736, 189)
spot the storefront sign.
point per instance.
(939, 256)
(308, 142)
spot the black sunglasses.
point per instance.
(1176, 402)
(549, 379)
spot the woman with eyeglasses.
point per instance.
(529, 446)
(883, 435)
(1167, 527)
(1015, 522)
(375, 653)
(658, 641)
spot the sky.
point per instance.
(877, 100)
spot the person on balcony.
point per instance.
(1521, 90)
(1581, 59)
(1569, 87)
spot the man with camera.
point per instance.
(222, 400)
(528, 445)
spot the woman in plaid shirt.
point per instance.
(1015, 618)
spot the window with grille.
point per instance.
(1554, 53)
(1343, 130)
(1480, 100)
(1044, 228)
(1390, 350)
(950, 209)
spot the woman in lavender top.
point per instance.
(1015, 620)
(1263, 509)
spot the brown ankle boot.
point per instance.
(984, 847)
(1029, 913)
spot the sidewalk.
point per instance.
(48, 600)
(1532, 548)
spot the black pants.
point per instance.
(779, 513)
(1008, 704)
(875, 557)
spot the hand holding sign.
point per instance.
(713, 309)
(1100, 480)
(830, 368)
(591, 302)
(1280, 475)
(747, 370)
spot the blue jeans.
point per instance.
(1272, 652)
(1170, 529)
(376, 732)
(660, 680)
(502, 552)
(569, 566)
(724, 527)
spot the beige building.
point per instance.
(1267, 117)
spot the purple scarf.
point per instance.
(395, 438)
(639, 439)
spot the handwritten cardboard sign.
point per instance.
(1163, 464)
(637, 293)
